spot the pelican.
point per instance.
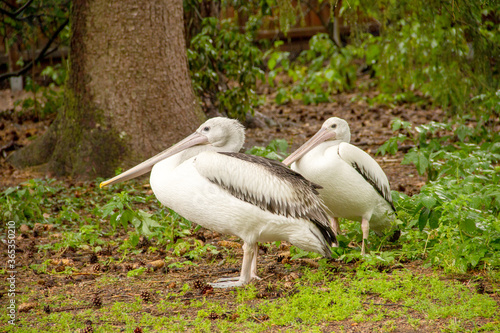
(205, 179)
(353, 185)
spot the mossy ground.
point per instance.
(57, 292)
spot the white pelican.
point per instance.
(206, 180)
(353, 185)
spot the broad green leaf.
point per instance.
(145, 229)
(272, 155)
(372, 53)
(418, 159)
(108, 208)
(468, 225)
(434, 219)
(113, 220)
(281, 144)
(9, 190)
(271, 63)
(136, 222)
(428, 201)
(422, 219)
(329, 74)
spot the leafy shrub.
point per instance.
(27, 31)
(52, 96)
(454, 220)
(317, 73)
(225, 65)
(275, 150)
(121, 213)
(26, 204)
(444, 50)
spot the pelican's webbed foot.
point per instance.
(228, 283)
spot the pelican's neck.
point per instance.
(233, 143)
(193, 151)
(315, 154)
(324, 146)
(231, 147)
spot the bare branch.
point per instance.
(42, 54)
(15, 14)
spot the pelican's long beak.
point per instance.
(321, 136)
(146, 166)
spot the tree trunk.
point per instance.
(128, 95)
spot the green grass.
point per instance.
(321, 300)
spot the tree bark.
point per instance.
(128, 95)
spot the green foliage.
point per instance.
(121, 213)
(52, 96)
(28, 31)
(88, 235)
(455, 219)
(318, 73)
(435, 142)
(391, 145)
(201, 250)
(443, 49)
(180, 264)
(136, 272)
(350, 297)
(82, 213)
(276, 150)
(225, 65)
(439, 52)
(38, 20)
(26, 204)
(297, 253)
(165, 226)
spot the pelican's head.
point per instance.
(224, 134)
(219, 134)
(333, 129)
(337, 129)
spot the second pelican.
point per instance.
(353, 185)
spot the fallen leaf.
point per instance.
(230, 244)
(24, 228)
(309, 262)
(25, 307)
(155, 265)
(291, 277)
(65, 262)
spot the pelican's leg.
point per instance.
(254, 263)
(246, 268)
(334, 222)
(253, 274)
(365, 227)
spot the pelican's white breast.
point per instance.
(187, 190)
(345, 191)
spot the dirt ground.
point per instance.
(370, 127)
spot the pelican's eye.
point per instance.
(206, 129)
(334, 126)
